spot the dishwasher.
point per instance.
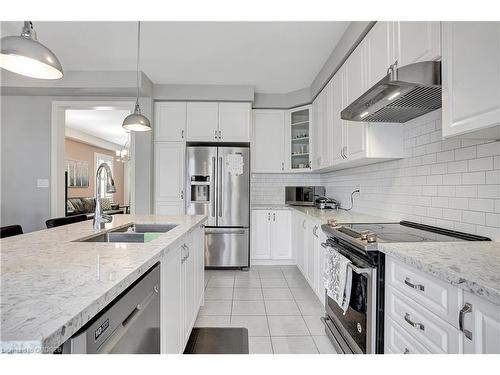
(130, 324)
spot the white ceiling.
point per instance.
(104, 124)
(274, 57)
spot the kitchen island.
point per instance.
(51, 286)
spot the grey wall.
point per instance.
(204, 92)
(26, 153)
(25, 126)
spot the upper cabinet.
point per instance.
(379, 48)
(268, 144)
(300, 126)
(170, 121)
(234, 122)
(218, 122)
(416, 41)
(203, 121)
(471, 79)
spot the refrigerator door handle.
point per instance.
(219, 183)
(212, 183)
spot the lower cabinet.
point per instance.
(426, 315)
(309, 253)
(271, 235)
(481, 325)
(182, 278)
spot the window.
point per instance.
(99, 159)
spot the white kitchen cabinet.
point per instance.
(182, 284)
(268, 146)
(271, 235)
(338, 104)
(299, 132)
(281, 235)
(483, 323)
(169, 208)
(261, 234)
(234, 122)
(471, 79)
(319, 284)
(170, 122)
(169, 175)
(379, 44)
(312, 254)
(417, 41)
(202, 121)
(299, 240)
(171, 320)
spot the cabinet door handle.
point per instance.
(220, 134)
(182, 194)
(461, 315)
(268, 216)
(274, 216)
(215, 134)
(419, 326)
(414, 286)
(182, 134)
(282, 166)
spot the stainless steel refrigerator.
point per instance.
(218, 185)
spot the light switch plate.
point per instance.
(42, 183)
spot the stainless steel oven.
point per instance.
(355, 331)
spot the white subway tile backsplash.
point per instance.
(488, 149)
(465, 153)
(489, 191)
(481, 164)
(474, 178)
(485, 205)
(474, 217)
(452, 183)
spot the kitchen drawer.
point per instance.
(434, 333)
(441, 298)
(398, 341)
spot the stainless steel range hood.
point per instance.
(403, 94)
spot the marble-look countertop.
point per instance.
(51, 286)
(342, 216)
(472, 266)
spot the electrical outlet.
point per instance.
(358, 187)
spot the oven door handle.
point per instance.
(366, 271)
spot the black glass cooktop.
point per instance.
(406, 231)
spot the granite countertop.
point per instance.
(471, 266)
(51, 287)
(342, 216)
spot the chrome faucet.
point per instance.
(99, 218)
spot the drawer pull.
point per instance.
(414, 286)
(465, 310)
(407, 351)
(419, 326)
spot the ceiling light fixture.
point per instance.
(25, 55)
(136, 121)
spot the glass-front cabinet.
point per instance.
(300, 126)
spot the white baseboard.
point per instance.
(272, 262)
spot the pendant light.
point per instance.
(25, 55)
(136, 121)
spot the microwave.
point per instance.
(303, 195)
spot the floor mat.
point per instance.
(217, 341)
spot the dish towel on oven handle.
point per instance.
(338, 278)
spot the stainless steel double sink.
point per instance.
(131, 233)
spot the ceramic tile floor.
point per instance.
(276, 305)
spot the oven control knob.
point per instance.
(371, 237)
(364, 234)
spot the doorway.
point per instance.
(85, 134)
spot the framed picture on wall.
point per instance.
(78, 173)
